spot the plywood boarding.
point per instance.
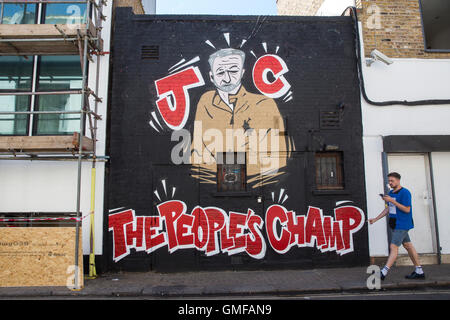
(22, 36)
(38, 256)
(44, 143)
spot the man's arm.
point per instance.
(381, 215)
(405, 209)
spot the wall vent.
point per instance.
(150, 52)
(330, 120)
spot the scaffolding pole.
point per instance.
(80, 144)
(92, 268)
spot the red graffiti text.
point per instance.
(213, 231)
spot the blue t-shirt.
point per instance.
(404, 221)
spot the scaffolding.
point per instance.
(83, 39)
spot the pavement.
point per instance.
(237, 283)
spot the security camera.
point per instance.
(377, 55)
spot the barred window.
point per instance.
(329, 170)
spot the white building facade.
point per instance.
(412, 138)
(405, 113)
(49, 181)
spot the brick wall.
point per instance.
(298, 7)
(394, 28)
(136, 5)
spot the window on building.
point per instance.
(64, 13)
(37, 74)
(58, 73)
(329, 170)
(14, 124)
(45, 73)
(231, 172)
(16, 75)
(17, 13)
(436, 24)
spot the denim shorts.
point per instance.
(399, 236)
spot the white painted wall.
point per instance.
(405, 79)
(50, 186)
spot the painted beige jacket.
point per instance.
(252, 124)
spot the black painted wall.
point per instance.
(320, 55)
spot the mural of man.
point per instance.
(231, 119)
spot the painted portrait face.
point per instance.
(226, 72)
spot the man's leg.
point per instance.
(392, 255)
(412, 253)
(391, 259)
(418, 272)
(396, 241)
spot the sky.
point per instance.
(228, 7)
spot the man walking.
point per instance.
(401, 221)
